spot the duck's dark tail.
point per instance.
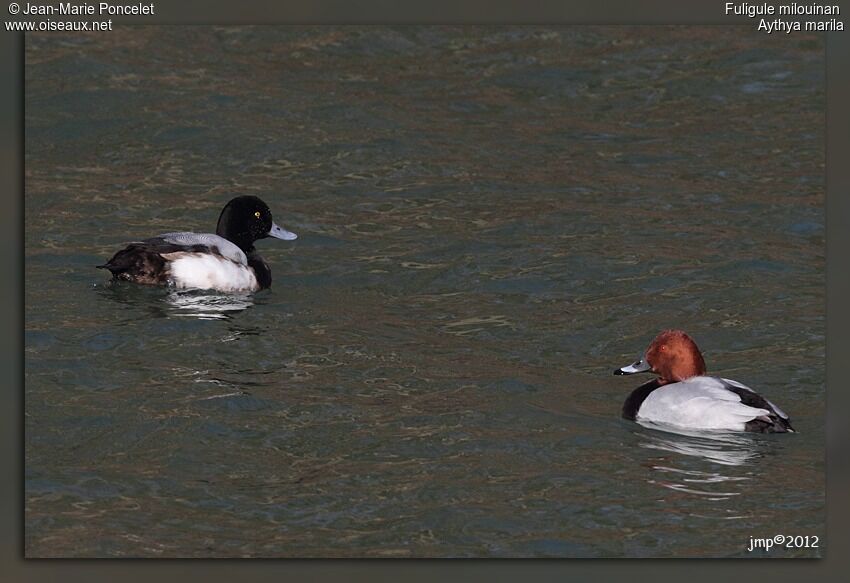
(138, 262)
(772, 424)
(120, 263)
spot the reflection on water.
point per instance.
(206, 305)
(168, 302)
(735, 453)
(715, 484)
(731, 449)
(696, 482)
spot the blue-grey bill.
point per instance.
(280, 233)
(639, 366)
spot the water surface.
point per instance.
(491, 220)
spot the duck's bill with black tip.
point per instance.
(279, 232)
(640, 366)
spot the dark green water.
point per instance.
(490, 221)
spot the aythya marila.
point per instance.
(226, 261)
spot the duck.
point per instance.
(225, 261)
(683, 395)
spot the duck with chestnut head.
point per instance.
(684, 396)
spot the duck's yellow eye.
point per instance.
(257, 214)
